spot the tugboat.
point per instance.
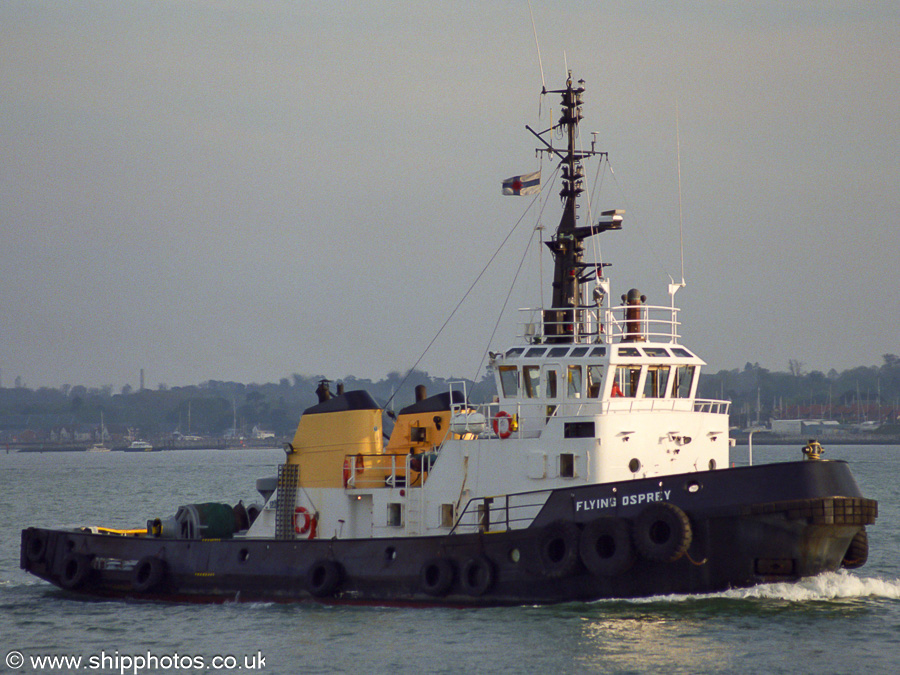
(595, 473)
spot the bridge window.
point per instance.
(550, 375)
(531, 381)
(684, 381)
(657, 352)
(594, 380)
(657, 382)
(626, 382)
(509, 380)
(573, 382)
(579, 351)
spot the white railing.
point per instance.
(501, 513)
(378, 471)
(590, 324)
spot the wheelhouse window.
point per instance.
(509, 381)
(550, 377)
(573, 382)
(628, 351)
(657, 381)
(684, 381)
(657, 352)
(594, 380)
(626, 382)
(531, 381)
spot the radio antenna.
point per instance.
(538, 46)
(673, 287)
(680, 210)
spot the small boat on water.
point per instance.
(140, 446)
(98, 447)
(596, 473)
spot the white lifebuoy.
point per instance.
(503, 424)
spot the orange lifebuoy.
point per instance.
(307, 520)
(503, 424)
(304, 522)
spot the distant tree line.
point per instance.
(209, 409)
(214, 407)
(859, 394)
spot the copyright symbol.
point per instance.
(15, 659)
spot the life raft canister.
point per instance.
(504, 424)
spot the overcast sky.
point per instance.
(246, 190)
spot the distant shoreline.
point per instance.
(762, 438)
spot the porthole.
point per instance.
(390, 553)
(712, 464)
(693, 486)
(243, 555)
(515, 555)
(634, 465)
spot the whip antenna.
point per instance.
(680, 211)
(538, 45)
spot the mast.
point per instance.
(564, 321)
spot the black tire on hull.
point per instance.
(436, 576)
(605, 547)
(662, 532)
(477, 575)
(74, 570)
(35, 545)
(148, 574)
(858, 552)
(559, 548)
(324, 577)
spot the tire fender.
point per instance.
(605, 547)
(662, 532)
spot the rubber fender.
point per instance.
(662, 532)
(74, 571)
(148, 574)
(324, 577)
(478, 575)
(35, 545)
(858, 552)
(559, 548)
(436, 576)
(605, 547)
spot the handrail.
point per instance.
(590, 324)
(500, 513)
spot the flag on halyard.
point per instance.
(526, 184)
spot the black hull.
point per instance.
(692, 533)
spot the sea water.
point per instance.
(845, 622)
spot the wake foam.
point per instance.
(842, 585)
